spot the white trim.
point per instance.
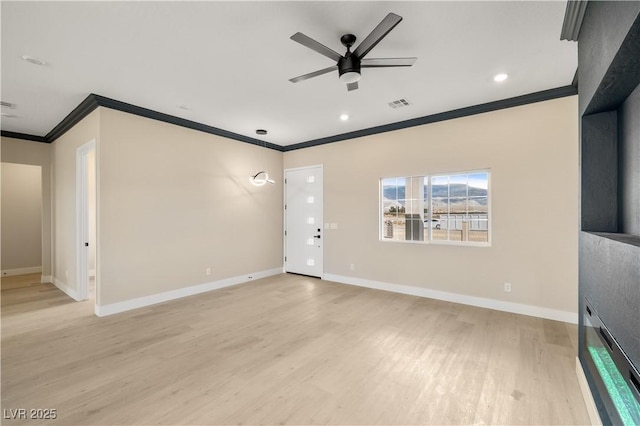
(592, 410)
(139, 302)
(45, 279)
(21, 271)
(92, 273)
(436, 242)
(499, 305)
(68, 290)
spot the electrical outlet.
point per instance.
(507, 287)
(207, 271)
(352, 266)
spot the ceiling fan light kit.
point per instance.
(350, 77)
(349, 65)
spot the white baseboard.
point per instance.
(127, 305)
(46, 279)
(72, 293)
(21, 271)
(499, 305)
(592, 410)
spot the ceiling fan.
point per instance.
(349, 65)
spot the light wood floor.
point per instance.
(284, 350)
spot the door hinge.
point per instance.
(285, 181)
(285, 206)
(285, 232)
(285, 258)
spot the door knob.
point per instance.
(316, 236)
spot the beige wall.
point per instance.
(37, 154)
(532, 152)
(64, 151)
(21, 217)
(174, 201)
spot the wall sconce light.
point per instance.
(261, 178)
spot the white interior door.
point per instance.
(85, 186)
(303, 221)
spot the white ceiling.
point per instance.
(230, 62)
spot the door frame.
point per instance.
(284, 216)
(82, 220)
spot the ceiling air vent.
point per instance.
(8, 104)
(400, 103)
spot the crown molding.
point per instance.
(544, 95)
(74, 117)
(94, 101)
(23, 136)
(573, 16)
(171, 119)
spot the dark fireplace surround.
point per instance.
(609, 258)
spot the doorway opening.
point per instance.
(22, 229)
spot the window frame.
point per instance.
(429, 215)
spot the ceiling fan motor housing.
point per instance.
(349, 63)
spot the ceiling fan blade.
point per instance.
(313, 74)
(378, 33)
(352, 86)
(387, 62)
(314, 45)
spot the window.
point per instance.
(444, 207)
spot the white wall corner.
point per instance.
(140, 302)
(45, 279)
(481, 302)
(68, 290)
(589, 402)
(21, 271)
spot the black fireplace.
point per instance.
(610, 370)
(608, 34)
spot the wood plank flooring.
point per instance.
(284, 350)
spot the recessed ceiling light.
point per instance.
(8, 104)
(261, 132)
(344, 117)
(500, 77)
(33, 60)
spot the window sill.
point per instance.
(436, 243)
